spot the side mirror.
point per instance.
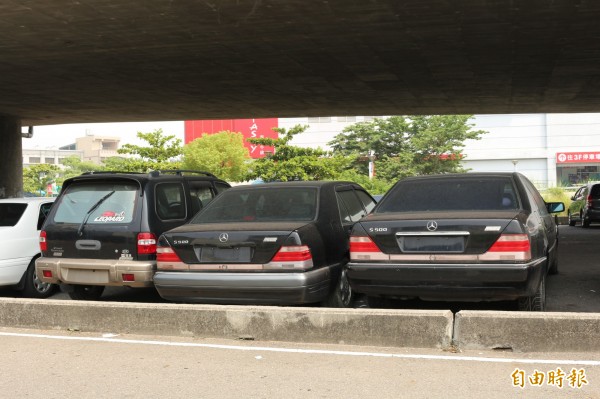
(573, 198)
(555, 207)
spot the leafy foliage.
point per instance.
(294, 163)
(74, 166)
(407, 145)
(37, 177)
(159, 154)
(222, 154)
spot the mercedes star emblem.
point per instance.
(223, 237)
(432, 225)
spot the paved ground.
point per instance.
(51, 364)
(575, 289)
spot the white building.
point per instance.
(550, 149)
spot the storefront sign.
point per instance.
(577, 157)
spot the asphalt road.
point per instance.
(575, 289)
(51, 364)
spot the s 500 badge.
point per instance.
(378, 229)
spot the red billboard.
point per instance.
(577, 157)
(250, 128)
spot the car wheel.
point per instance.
(585, 221)
(571, 221)
(86, 292)
(553, 269)
(536, 302)
(341, 296)
(34, 287)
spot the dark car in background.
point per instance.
(275, 243)
(585, 205)
(103, 228)
(457, 237)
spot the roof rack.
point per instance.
(179, 172)
(104, 172)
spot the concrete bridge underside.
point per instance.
(68, 61)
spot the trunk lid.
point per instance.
(250, 242)
(95, 220)
(463, 232)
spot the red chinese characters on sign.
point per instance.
(250, 128)
(577, 157)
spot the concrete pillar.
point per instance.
(11, 158)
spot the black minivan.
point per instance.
(585, 205)
(103, 228)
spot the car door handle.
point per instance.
(88, 244)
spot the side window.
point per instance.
(221, 187)
(170, 201)
(539, 201)
(353, 205)
(200, 195)
(344, 213)
(368, 202)
(44, 210)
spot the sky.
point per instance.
(55, 136)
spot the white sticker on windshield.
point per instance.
(493, 228)
(110, 216)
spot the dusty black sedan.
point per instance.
(462, 237)
(276, 243)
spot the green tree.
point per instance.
(74, 166)
(289, 162)
(222, 154)
(161, 153)
(37, 177)
(408, 145)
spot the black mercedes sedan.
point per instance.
(276, 243)
(457, 237)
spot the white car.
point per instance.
(20, 222)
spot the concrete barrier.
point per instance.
(374, 327)
(527, 331)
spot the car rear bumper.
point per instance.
(96, 271)
(244, 288)
(593, 214)
(455, 282)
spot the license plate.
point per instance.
(237, 254)
(432, 243)
(83, 276)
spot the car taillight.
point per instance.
(363, 244)
(43, 243)
(167, 259)
(511, 247)
(146, 244)
(364, 248)
(590, 202)
(292, 254)
(291, 257)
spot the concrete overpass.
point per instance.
(70, 61)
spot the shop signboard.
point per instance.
(578, 157)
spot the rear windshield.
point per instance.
(115, 203)
(10, 213)
(595, 191)
(269, 204)
(451, 194)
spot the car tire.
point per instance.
(341, 296)
(86, 292)
(553, 269)
(571, 221)
(585, 221)
(34, 287)
(536, 302)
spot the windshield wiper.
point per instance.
(92, 209)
